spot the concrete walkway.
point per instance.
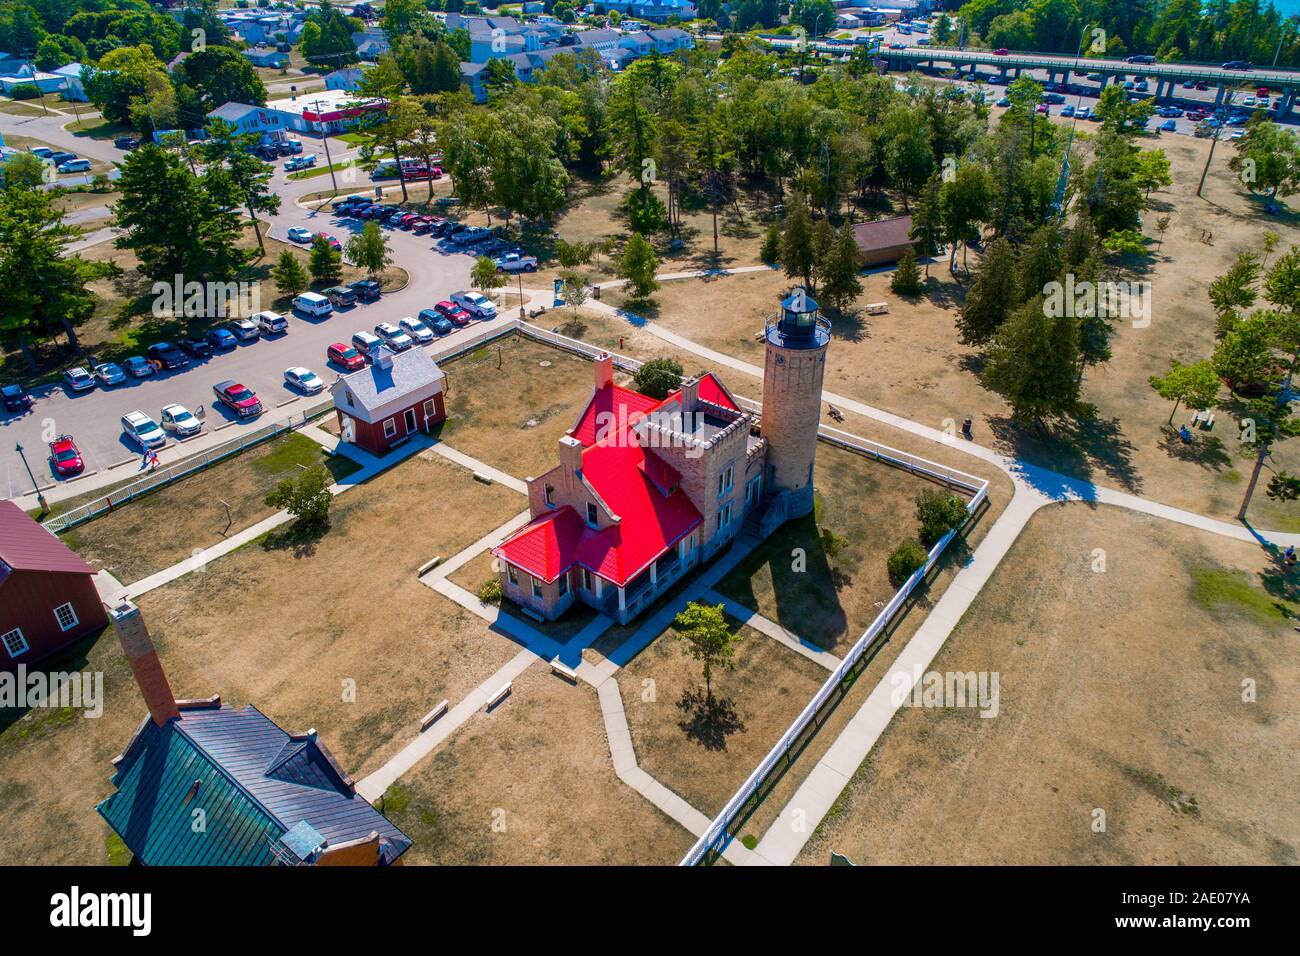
(773, 630)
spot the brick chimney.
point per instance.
(604, 364)
(690, 394)
(570, 457)
(140, 654)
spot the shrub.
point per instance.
(771, 250)
(645, 213)
(307, 497)
(658, 377)
(903, 562)
(907, 277)
(25, 91)
(939, 512)
(490, 592)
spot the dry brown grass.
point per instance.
(704, 753)
(539, 766)
(1120, 690)
(285, 629)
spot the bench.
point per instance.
(429, 719)
(1205, 419)
(877, 308)
(485, 479)
(428, 566)
(529, 612)
(498, 695)
(561, 669)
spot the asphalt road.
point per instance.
(93, 418)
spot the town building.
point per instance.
(647, 489)
(48, 598)
(657, 11)
(386, 402)
(883, 241)
(319, 112)
(267, 797)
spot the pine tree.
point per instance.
(638, 266)
(823, 241)
(325, 264)
(907, 276)
(840, 285)
(1033, 362)
(796, 243)
(992, 295)
(927, 220)
(289, 275)
(771, 250)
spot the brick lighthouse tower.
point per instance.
(793, 369)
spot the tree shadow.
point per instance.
(1208, 451)
(708, 721)
(850, 325)
(1075, 445)
(298, 537)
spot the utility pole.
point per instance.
(324, 136)
(1214, 141)
(39, 497)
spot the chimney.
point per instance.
(140, 654)
(604, 370)
(690, 394)
(570, 456)
(384, 358)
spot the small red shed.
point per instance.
(47, 594)
(383, 404)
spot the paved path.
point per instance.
(773, 630)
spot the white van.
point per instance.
(271, 323)
(312, 303)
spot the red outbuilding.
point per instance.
(47, 594)
(385, 403)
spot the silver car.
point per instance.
(179, 419)
(110, 373)
(304, 379)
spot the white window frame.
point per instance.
(726, 480)
(430, 409)
(390, 428)
(71, 611)
(511, 575)
(593, 514)
(7, 636)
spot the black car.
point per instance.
(126, 142)
(1244, 65)
(267, 151)
(15, 398)
(367, 290)
(167, 355)
(61, 157)
(199, 348)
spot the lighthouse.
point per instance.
(793, 369)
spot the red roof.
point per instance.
(610, 410)
(26, 546)
(547, 546)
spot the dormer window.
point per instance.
(593, 517)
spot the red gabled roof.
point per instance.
(611, 409)
(26, 546)
(547, 546)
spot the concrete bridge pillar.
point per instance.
(1288, 98)
(1218, 99)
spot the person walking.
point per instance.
(967, 429)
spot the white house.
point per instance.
(72, 86)
(348, 78)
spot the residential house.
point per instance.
(72, 88)
(267, 57)
(657, 11)
(48, 598)
(383, 404)
(348, 78)
(647, 489)
(269, 797)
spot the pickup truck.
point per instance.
(300, 162)
(516, 262)
(240, 399)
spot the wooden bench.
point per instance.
(429, 719)
(877, 308)
(485, 479)
(561, 669)
(500, 694)
(1205, 419)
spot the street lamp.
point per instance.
(39, 497)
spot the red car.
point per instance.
(453, 313)
(422, 225)
(65, 459)
(345, 355)
(334, 243)
(410, 219)
(1001, 51)
(240, 399)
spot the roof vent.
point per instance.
(384, 358)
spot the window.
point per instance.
(564, 584)
(510, 573)
(390, 428)
(430, 409)
(66, 615)
(537, 588)
(724, 517)
(550, 495)
(592, 516)
(586, 580)
(14, 642)
(725, 480)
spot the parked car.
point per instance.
(15, 398)
(271, 323)
(417, 330)
(366, 290)
(58, 157)
(181, 421)
(453, 313)
(435, 320)
(304, 379)
(143, 430)
(410, 219)
(476, 304)
(1067, 110)
(346, 356)
(422, 225)
(300, 234)
(138, 367)
(330, 240)
(240, 399)
(65, 458)
(300, 162)
(341, 297)
(469, 235)
(195, 348)
(393, 337)
(313, 304)
(126, 142)
(75, 166)
(222, 339)
(164, 355)
(1082, 112)
(109, 373)
(517, 262)
(245, 330)
(496, 248)
(78, 379)
(366, 344)
(1168, 126)
(1004, 102)
(267, 151)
